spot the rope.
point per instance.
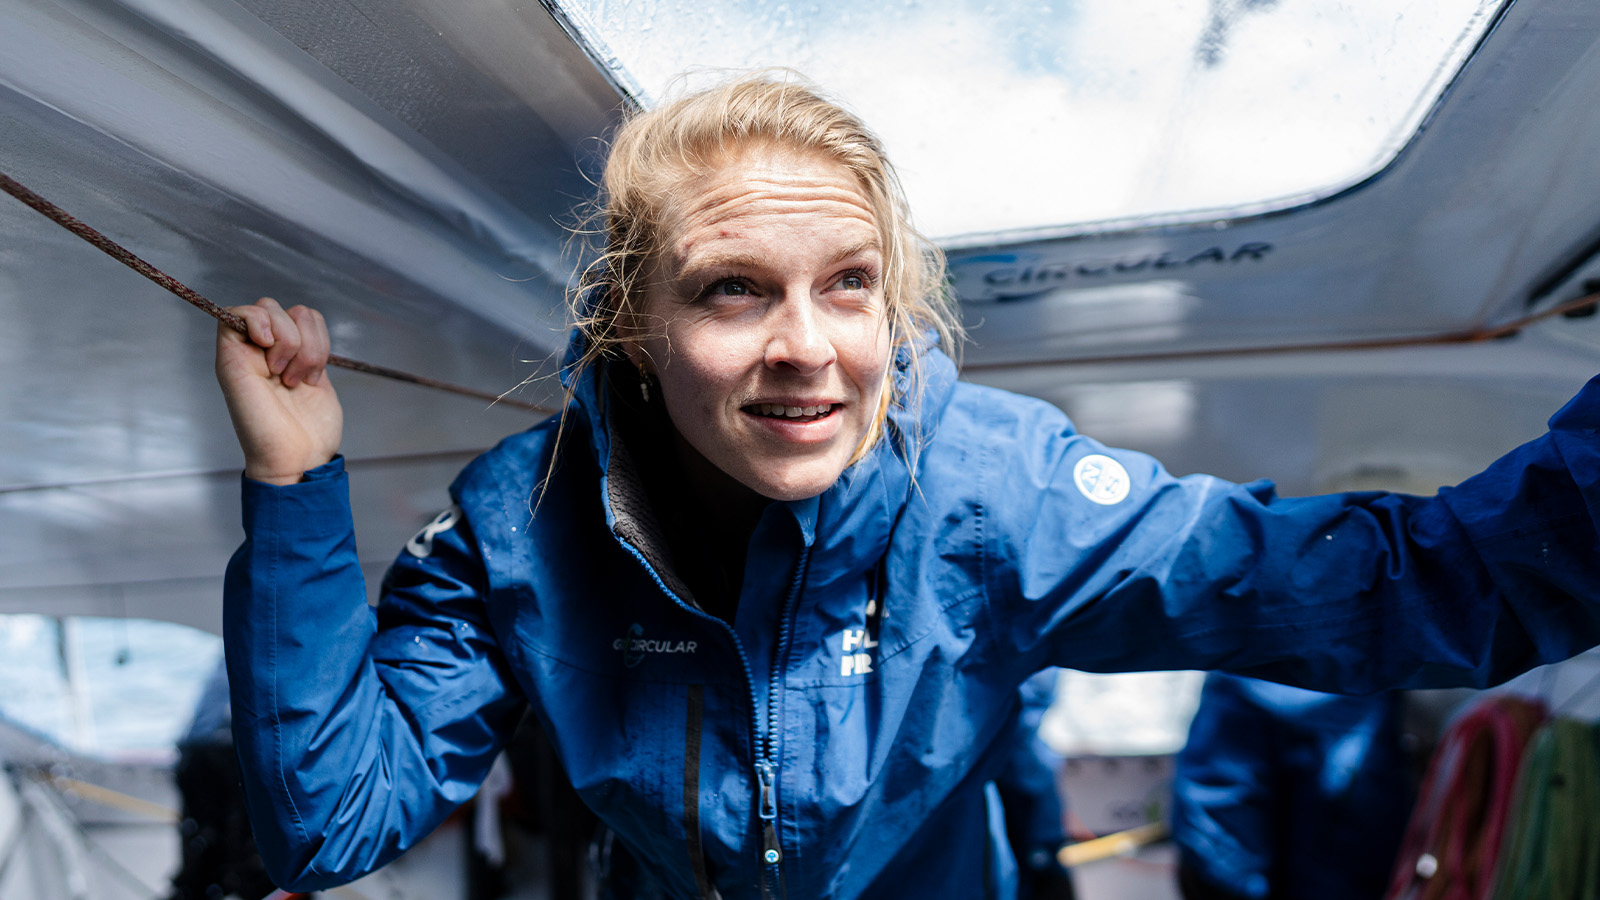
(121, 254)
(1455, 832)
(43, 798)
(1552, 848)
(1120, 843)
(110, 798)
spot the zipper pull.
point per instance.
(769, 791)
(771, 853)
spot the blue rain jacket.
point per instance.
(838, 739)
(1284, 792)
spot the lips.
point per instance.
(792, 413)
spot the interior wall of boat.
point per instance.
(1490, 198)
(1409, 419)
(174, 572)
(217, 95)
(118, 480)
(416, 193)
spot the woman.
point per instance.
(772, 580)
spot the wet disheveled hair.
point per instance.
(658, 155)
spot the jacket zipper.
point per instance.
(770, 855)
(767, 809)
(766, 765)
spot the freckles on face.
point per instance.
(764, 322)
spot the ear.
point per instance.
(625, 328)
(635, 353)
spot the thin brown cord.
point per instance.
(119, 253)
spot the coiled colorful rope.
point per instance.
(1454, 837)
(1551, 849)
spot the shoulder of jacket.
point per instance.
(988, 409)
(515, 465)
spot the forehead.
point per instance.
(766, 195)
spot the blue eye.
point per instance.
(854, 281)
(731, 287)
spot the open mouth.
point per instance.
(792, 413)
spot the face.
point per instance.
(764, 323)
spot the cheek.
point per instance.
(869, 358)
(700, 370)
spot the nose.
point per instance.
(799, 341)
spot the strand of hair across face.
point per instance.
(121, 254)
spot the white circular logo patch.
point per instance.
(1101, 479)
(421, 546)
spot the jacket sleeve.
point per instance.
(1349, 593)
(358, 730)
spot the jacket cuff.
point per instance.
(333, 468)
(320, 500)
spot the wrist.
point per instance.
(272, 478)
(333, 468)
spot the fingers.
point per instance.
(294, 342)
(258, 321)
(282, 334)
(241, 356)
(308, 363)
(283, 408)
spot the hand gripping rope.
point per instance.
(120, 254)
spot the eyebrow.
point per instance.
(696, 268)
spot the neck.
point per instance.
(726, 509)
(707, 517)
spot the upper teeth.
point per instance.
(792, 412)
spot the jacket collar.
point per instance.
(857, 515)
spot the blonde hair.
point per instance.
(657, 154)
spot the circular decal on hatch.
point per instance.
(1101, 479)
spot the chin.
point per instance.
(805, 482)
(802, 493)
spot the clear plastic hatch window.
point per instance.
(1049, 116)
(110, 688)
